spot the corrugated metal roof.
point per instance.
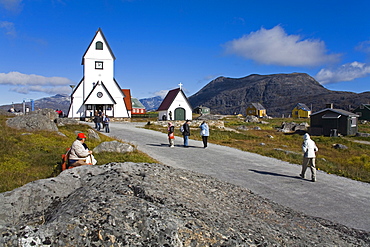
(137, 104)
(303, 107)
(339, 111)
(258, 106)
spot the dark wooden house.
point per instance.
(332, 122)
(363, 111)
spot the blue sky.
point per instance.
(158, 44)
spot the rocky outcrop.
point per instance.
(65, 121)
(32, 122)
(293, 127)
(42, 119)
(50, 113)
(113, 146)
(130, 204)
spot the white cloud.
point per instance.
(346, 72)
(275, 47)
(12, 5)
(364, 46)
(24, 83)
(48, 90)
(9, 28)
(161, 93)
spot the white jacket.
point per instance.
(78, 151)
(309, 147)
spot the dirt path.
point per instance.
(334, 198)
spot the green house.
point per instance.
(363, 111)
(202, 110)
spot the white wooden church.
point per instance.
(98, 89)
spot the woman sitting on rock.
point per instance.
(78, 153)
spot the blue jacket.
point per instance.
(204, 130)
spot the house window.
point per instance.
(89, 107)
(99, 45)
(359, 113)
(353, 121)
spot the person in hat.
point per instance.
(78, 153)
(171, 134)
(309, 149)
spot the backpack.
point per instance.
(182, 128)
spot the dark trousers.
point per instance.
(205, 140)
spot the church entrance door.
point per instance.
(179, 114)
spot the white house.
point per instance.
(175, 106)
(98, 90)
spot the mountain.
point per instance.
(278, 93)
(58, 101)
(151, 104)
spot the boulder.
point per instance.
(363, 134)
(242, 127)
(113, 146)
(91, 134)
(140, 204)
(293, 127)
(32, 122)
(50, 113)
(251, 119)
(339, 146)
(65, 121)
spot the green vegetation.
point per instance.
(353, 162)
(28, 156)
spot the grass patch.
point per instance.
(28, 156)
(353, 162)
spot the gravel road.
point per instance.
(334, 198)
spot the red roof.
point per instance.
(127, 99)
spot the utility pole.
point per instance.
(72, 87)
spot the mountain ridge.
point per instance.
(278, 93)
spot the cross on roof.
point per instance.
(180, 84)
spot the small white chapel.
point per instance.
(98, 90)
(175, 106)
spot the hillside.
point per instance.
(278, 93)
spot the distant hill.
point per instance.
(62, 102)
(278, 93)
(58, 101)
(151, 104)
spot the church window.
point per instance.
(99, 45)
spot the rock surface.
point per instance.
(113, 146)
(130, 204)
(32, 122)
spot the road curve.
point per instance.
(334, 198)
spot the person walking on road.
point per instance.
(171, 134)
(106, 120)
(204, 132)
(186, 133)
(309, 149)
